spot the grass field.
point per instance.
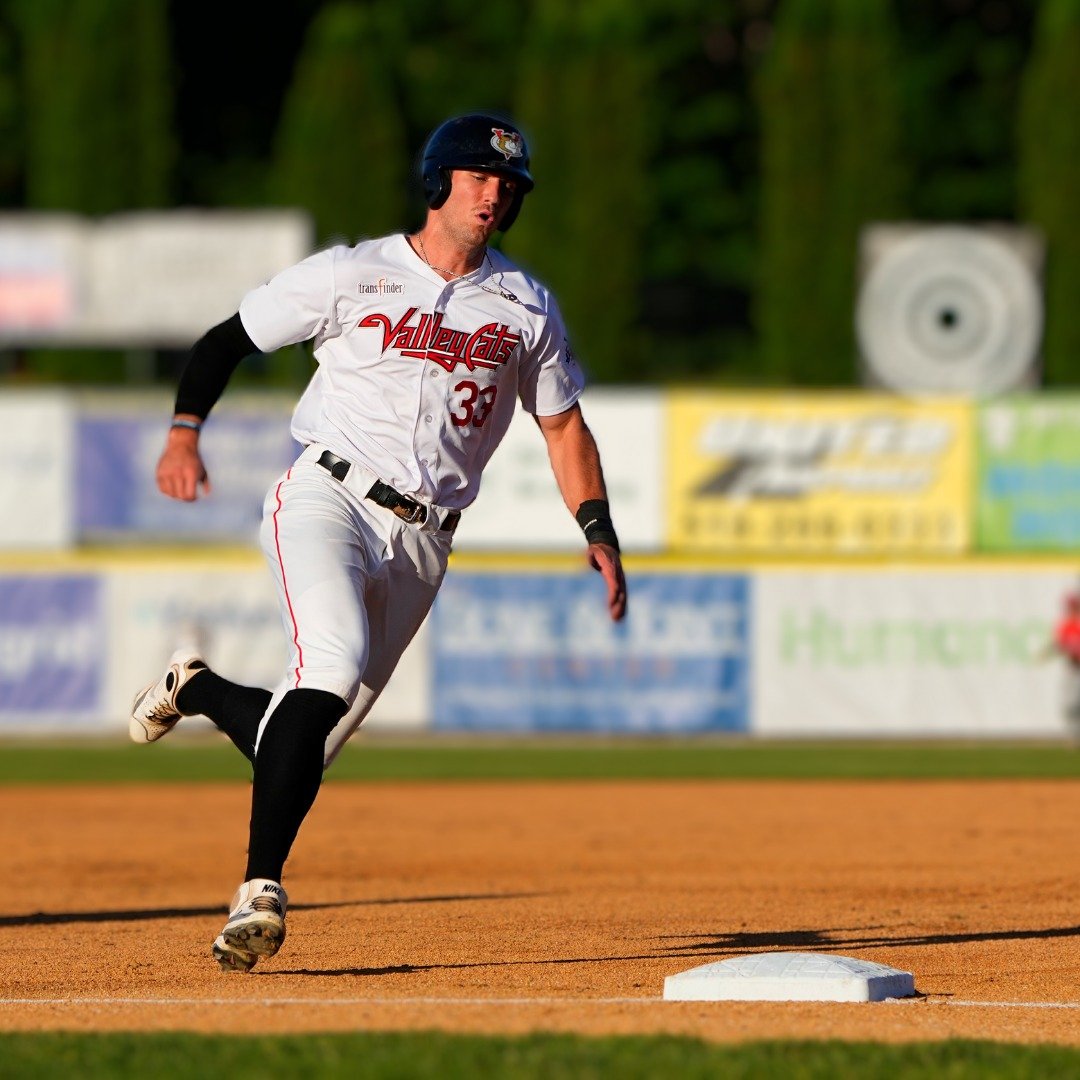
(456, 759)
(540, 1055)
(536, 1057)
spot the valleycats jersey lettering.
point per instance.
(427, 339)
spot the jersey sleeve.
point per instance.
(295, 305)
(550, 378)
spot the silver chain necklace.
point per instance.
(495, 291)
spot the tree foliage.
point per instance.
(959, 76)
(703, 166)
(586, 80)
(10, 126)
(342, 150)
(1049, 155)
(830, 164)
(97, 104)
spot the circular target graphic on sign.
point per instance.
(950, 311)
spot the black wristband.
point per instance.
(594, 517)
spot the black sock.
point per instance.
(288, 772)
(235, 709)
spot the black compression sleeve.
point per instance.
(210, 364)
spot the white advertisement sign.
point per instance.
(897, 651)
(36, 446)
(232, 614)
(141, 279)
(519, 506)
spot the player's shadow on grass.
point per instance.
(59, 918)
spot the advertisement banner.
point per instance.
(908, 652)
(516, 652)
(36, 447)
(818, 474)
(142, 279)
(246, 445)
(53, 652)
(118, 448)
(520, 508)
(1028, 494)
(231, 614)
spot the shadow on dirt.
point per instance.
(853, 938)
(724, 945)
(58, 918)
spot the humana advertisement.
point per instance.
(819, 474)
(909, 652)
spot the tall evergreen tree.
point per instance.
(700, 246)
(342, 150)
(98, 104)
(830, 165)
(868, 179)
(585, 94)
(796, 175)
(10, 111)
(1049, 145)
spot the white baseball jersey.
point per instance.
(417, 377)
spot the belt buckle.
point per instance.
(411, 512)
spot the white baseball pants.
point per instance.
(354, 584)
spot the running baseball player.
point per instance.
(1065, 643)
(424, 343)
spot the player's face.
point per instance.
(477, 203)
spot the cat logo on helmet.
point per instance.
(508, 143)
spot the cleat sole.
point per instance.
(260, 938)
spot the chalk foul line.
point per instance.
(407, 1001)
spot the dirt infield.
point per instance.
(498, 907)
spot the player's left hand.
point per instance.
(605, 559)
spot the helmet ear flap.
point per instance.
(437, 187)
(512, 212)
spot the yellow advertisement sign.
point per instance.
(818, 474)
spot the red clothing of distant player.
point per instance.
(1067, 637)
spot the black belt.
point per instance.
(407, 509)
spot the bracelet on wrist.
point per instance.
(594, 517)
(190, 425)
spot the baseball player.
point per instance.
(1066, 644)
(424, 343)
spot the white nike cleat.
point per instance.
(154, 712)
(230, 958)
(256, 926)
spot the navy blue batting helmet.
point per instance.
(475, 141)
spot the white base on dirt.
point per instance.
(789, 976)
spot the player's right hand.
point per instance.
(180, 471)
